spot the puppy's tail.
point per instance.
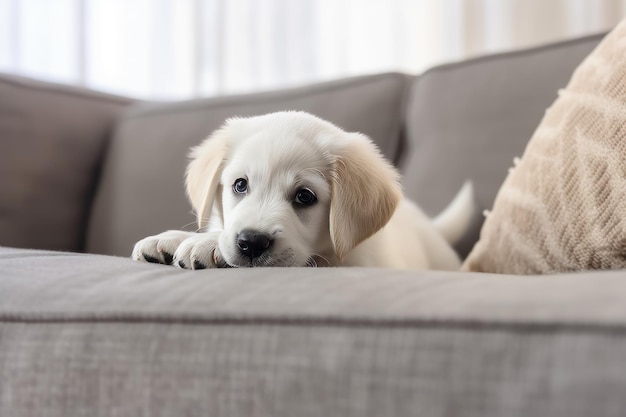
(457, 217)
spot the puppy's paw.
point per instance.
(159, 248)
(200, 251)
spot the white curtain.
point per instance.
(175, 49)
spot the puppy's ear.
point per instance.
(203, 174)
(365, 192)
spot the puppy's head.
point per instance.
(289, 189)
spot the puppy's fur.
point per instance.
(290, 189)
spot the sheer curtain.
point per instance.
(175, 49)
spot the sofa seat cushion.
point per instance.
(88, 334)
(563, 207)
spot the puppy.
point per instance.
(290, 189)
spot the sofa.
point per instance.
(85, 331)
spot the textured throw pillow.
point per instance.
(563, 206)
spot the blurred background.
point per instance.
(177, 49)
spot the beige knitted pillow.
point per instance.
(563, 207)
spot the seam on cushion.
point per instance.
(514, 54)
(41, 253)
(260, 97)
(396, 131)
(69, 90)
(399, 155)
(320, 321)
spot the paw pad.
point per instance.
(151, 259)
(198, 265)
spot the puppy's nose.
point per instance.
(252, 243)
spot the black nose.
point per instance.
(252, 243)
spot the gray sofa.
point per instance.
(84, 331)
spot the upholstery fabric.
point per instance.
(468, 120)
(142, 190)
(89, 335)
(563, 208)
(53, 139)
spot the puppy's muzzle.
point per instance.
(252, 243)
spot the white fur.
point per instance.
(360, 217)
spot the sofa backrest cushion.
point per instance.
(469, 120)
(142, 189)
(52, 139)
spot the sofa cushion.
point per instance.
(469, 120)
(92, 335)
(142, 190)
(563, 208)
(53, 138)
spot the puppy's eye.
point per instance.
(240, 186)
(305, 197)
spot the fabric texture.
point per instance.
(142, 190)
(52, 139)
(468, 120)
(89, 335)
(563, 207)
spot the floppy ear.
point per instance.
(203, 174)
(365, 193)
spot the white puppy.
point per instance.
(290, 189)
